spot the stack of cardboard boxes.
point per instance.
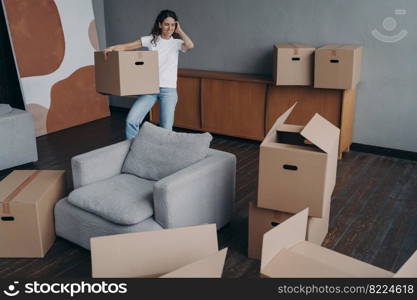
(297, 164)
(329, 67)
(297, 169)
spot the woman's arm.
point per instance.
(188, 43)
(122, 47)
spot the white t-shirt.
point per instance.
(168, 58)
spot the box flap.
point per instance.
(341, 262)
(209, 267)
(281, 119)
(284, 235)
(409, 269)
(322, 133)
(153, 252)
(290, 264)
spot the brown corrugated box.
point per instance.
(293, 177)
(338, 66)
(293, 64)
(179, 252)
(286, 253)
(27, 199)
(127, 73)
(262, 220)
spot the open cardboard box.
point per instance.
(180, 252)
(262, 220)
(127, 73)
(294, 175)
(286, 253)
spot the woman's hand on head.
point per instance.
(178, 28)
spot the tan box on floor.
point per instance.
(293, 64)
(338, 66)
(180, 252)
(297, 166)
(127, 73)
(27, 199)
(286, 253)
(262, 220)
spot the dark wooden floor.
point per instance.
(373, 215)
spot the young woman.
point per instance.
(168, 38)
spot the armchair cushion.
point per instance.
(99, 164)
(122, 199)
(156, 152)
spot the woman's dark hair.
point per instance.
(163, 14)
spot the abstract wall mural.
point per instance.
(54, 44)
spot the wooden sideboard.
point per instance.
(246, 106)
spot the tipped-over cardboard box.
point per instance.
(293, 64)
(286, 253)
(262, 220)
(127, 73)
(297, 166)
(27, 199)
(338, 66)
(179, 252)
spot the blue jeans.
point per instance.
(167, 98)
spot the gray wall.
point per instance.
(98, 8)
(237, 36)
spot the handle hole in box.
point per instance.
(290, 167)
(334, 61)
(296, 58)
(7, 219)
(139, 63)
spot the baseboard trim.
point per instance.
(384, 151)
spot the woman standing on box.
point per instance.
(168, 39)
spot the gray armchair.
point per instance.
(201, 193)
(17, 137)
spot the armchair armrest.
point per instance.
(99, 164)
(201, 193)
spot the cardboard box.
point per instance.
(338, 66)
(262, 220)
(180, 252)
(286, 253)
(127, 73)
(293, 177)
(27, 199)
(293, 64)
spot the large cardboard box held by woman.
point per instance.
(127, 73)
